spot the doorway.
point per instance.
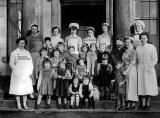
(85, 16)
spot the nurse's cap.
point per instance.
(105, 24)
(91, 28)
(74, 25)
(140, 22)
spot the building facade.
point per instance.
(16, 17)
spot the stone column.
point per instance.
(121, 13)
(31, 14)
(56, 13)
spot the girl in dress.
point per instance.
(45, 83)
(92, 61)
(81, 69)
(74, 91)
(83, 53)
(72, 59)
(104, 71)
(63, 76)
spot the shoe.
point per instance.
(143, 108)
(77, 107)
(37, 107)
(132, 107)
(59, 106)
(146, 107)
(65, 106)
(19, 108)
(48, 106)
(25, 107)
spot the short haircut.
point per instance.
(56, 27)
(60, 43)
(128, 39)
(144, 33)
(47, 39)
(21, 38)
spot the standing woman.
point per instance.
(147, 79)
(130, 72)
(73, 39)
(105, 38)
(22, 68)
(56, 36)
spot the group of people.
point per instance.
(74, 68)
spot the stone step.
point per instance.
(80, 113)
(100, 104)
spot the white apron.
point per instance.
(22, 68)
(147, 80)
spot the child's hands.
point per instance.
(90, 95)
(112, 81)
(81, 96)
(63, 77)
(124, 73)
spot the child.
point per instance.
(120, 86)
(39, 61)
(74, 91)
(48, 45)
(55, 59)
(92, 60)
(86, 93)
(81, 69)
(44, 85)
(63, 75)
(72, 60)
(83, 53)
(104, 71)
(61, 48)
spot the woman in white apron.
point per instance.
(21, 78)
(147, 79)
(74, 39)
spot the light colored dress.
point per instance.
(22, 68)
(147, 80)
(129, 57)
(55, 40)
(104, 38)
(74, 40)
(89, 40)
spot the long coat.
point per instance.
(129, 58)
(22, 68)
(147, 80)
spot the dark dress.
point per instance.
(104, 75)
(46, 87)
(62, 84)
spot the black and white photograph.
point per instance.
(79, 58)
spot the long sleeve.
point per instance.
(88, 61)
(154, 57)
(79, 44)
(80, 90)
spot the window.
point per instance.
(14, 22)
(147, 11)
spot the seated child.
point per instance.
(86, 93)
(81, 69)
(120, 86)
(74, 91)
(45, 83)
(63, 77)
